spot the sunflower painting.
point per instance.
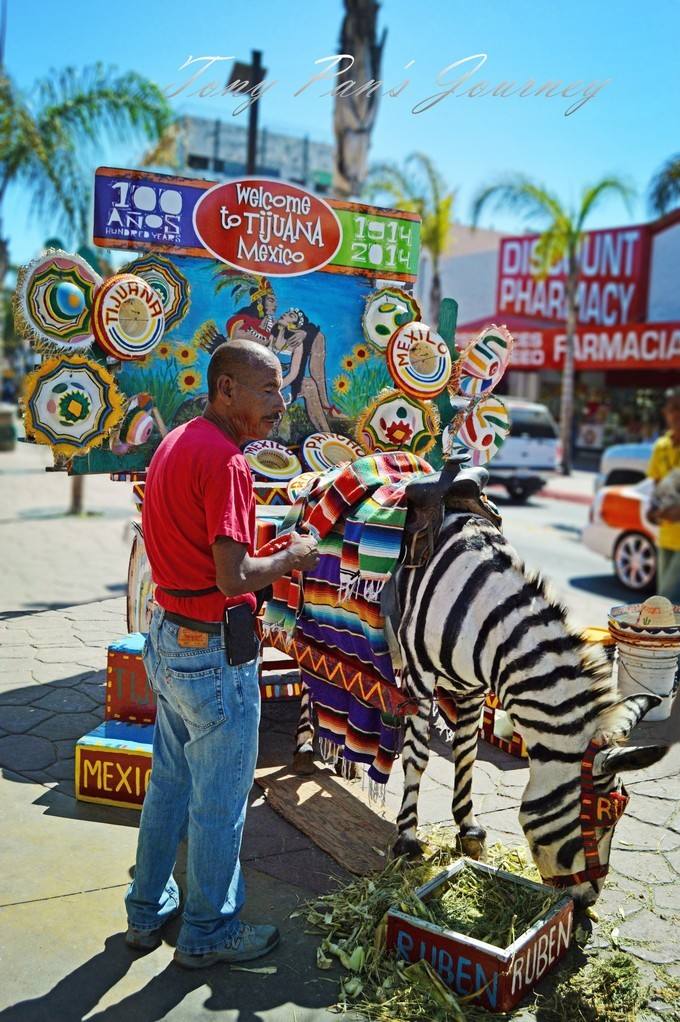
(365, 376)
(189, 380)
(185, 355)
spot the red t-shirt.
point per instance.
(198, 487)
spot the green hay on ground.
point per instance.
(606, 990)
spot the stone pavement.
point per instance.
(64, 865)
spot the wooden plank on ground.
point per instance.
(332, 813)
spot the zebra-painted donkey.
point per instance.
(472, 619)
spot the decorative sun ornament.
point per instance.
(53, 301)
(396, 421)
(128, 317)
(273, 461)
(419, 360)
(71, 403)
(387, 310)
(172, 286)
(322, 451)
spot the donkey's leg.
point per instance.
(414, 756)
(471, 836)
(303, 758)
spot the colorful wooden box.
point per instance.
(498, 978)
(494, 729)
(128, 694)
(113, 764)
(279, 684)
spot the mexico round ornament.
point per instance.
(71, 403)
(172, 286)
(387, 310)
(322, 451)
(300, 484)
(128, 317)
(482, 364)
(484, 429)
(396, 421)
(272, 461)
(53, 301)
(418, 360)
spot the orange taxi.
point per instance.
(618, 528)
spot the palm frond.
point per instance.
(518, 195)
(592, 195)
(664, 188)
(435, 181)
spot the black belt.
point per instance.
(210, 627)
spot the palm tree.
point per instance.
(45, 135)
(560, 240)
(664, 189)
(354, 116)
(425, 194)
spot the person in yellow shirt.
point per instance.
(665, 458)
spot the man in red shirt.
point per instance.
(201, 660)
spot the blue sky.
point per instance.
(628, 128)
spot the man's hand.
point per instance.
(303, 552)
(670, 514)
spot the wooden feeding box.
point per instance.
(494, 730)
(497, 978)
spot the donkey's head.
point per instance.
(570, 828)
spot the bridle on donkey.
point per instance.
(598, 812)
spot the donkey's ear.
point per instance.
(633, 757)
(616, 723)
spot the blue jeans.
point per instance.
(204, 755)
(668, 574)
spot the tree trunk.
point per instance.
(77, 489)
(354, 115)
(567, 391)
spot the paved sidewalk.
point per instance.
(579, 487)
(65, 865)
(51, 559)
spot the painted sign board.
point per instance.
(646, 346)
(113, 764)
(612, 288)
(252, 259)
(129, 696)
(497, 979)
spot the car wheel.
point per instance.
(517, 493)
(635, 561)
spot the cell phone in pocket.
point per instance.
(240, 638)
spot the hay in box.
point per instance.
(490, 935)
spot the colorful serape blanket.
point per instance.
(358, 515)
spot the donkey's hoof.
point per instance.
(471, 842)
(303, 763)
(407, 846)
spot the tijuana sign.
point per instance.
(267, 227)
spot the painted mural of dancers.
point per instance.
(305, 375)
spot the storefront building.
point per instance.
(627, 348)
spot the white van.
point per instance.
(531, 453)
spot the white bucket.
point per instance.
(648, 657)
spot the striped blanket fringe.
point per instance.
(358, 515)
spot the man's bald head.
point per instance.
(239, 360)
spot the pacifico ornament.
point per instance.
(53, 301)
(128, 317)
(273, 461)
(71, 403)
(166, 279)
(419, 361)
(387, 310)
(322, 451)
(396, 421)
